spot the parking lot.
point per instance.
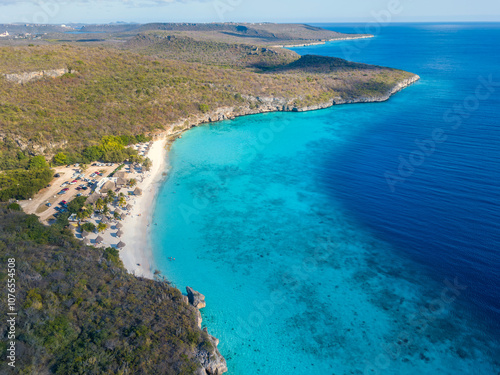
(71, 182)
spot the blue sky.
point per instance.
(103, 11)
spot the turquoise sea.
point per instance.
(360, 239)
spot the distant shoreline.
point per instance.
(321, 43)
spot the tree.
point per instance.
(38, 162)
(92, 153)
(204, 108)
(122, 201)
(132, 182)
(89, 227)
(111, 194)
(101, 227)
(99, 204)
(147, 163)
(60, 158)
(105, 209)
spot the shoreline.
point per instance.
(322, 42)
(137, 256)
(137, 225)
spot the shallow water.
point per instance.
(309, 261)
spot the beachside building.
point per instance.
(121, 182)
(120, 174)
(4, 35)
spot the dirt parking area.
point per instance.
(39, 204)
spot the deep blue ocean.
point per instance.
(360, 239)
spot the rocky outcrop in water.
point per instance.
(23, 78)
(212, 362)
(195, 298)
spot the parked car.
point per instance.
(63, 202)
(64, 185)
(65, 189)
(79, 195)
(61, 192)
(57, 175)
(48, 204)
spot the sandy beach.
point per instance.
(137, 254)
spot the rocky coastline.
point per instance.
(257, 105)
(212, 362)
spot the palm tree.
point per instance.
(122, 201)
(132, 182)
(105, 209)
(111, 194)
(86, 211)
(101, 227)
(99, 204)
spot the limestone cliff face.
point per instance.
(23, 78)
(212, 362)
(255, 105)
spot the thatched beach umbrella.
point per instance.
(119, 233)
(118, 212)
(99, 239)
(104, 220)
(93, 198)
(129, 207)
(119, 225)
(137, 191)
(87, 241)
(120, 245)
(85, 234)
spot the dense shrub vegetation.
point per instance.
(24, 183)
(235, 55)
(81, 313)
(121, 93)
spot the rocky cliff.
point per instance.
(212, 362)
(255, 105)
(23, 78)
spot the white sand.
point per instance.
(136, 226)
